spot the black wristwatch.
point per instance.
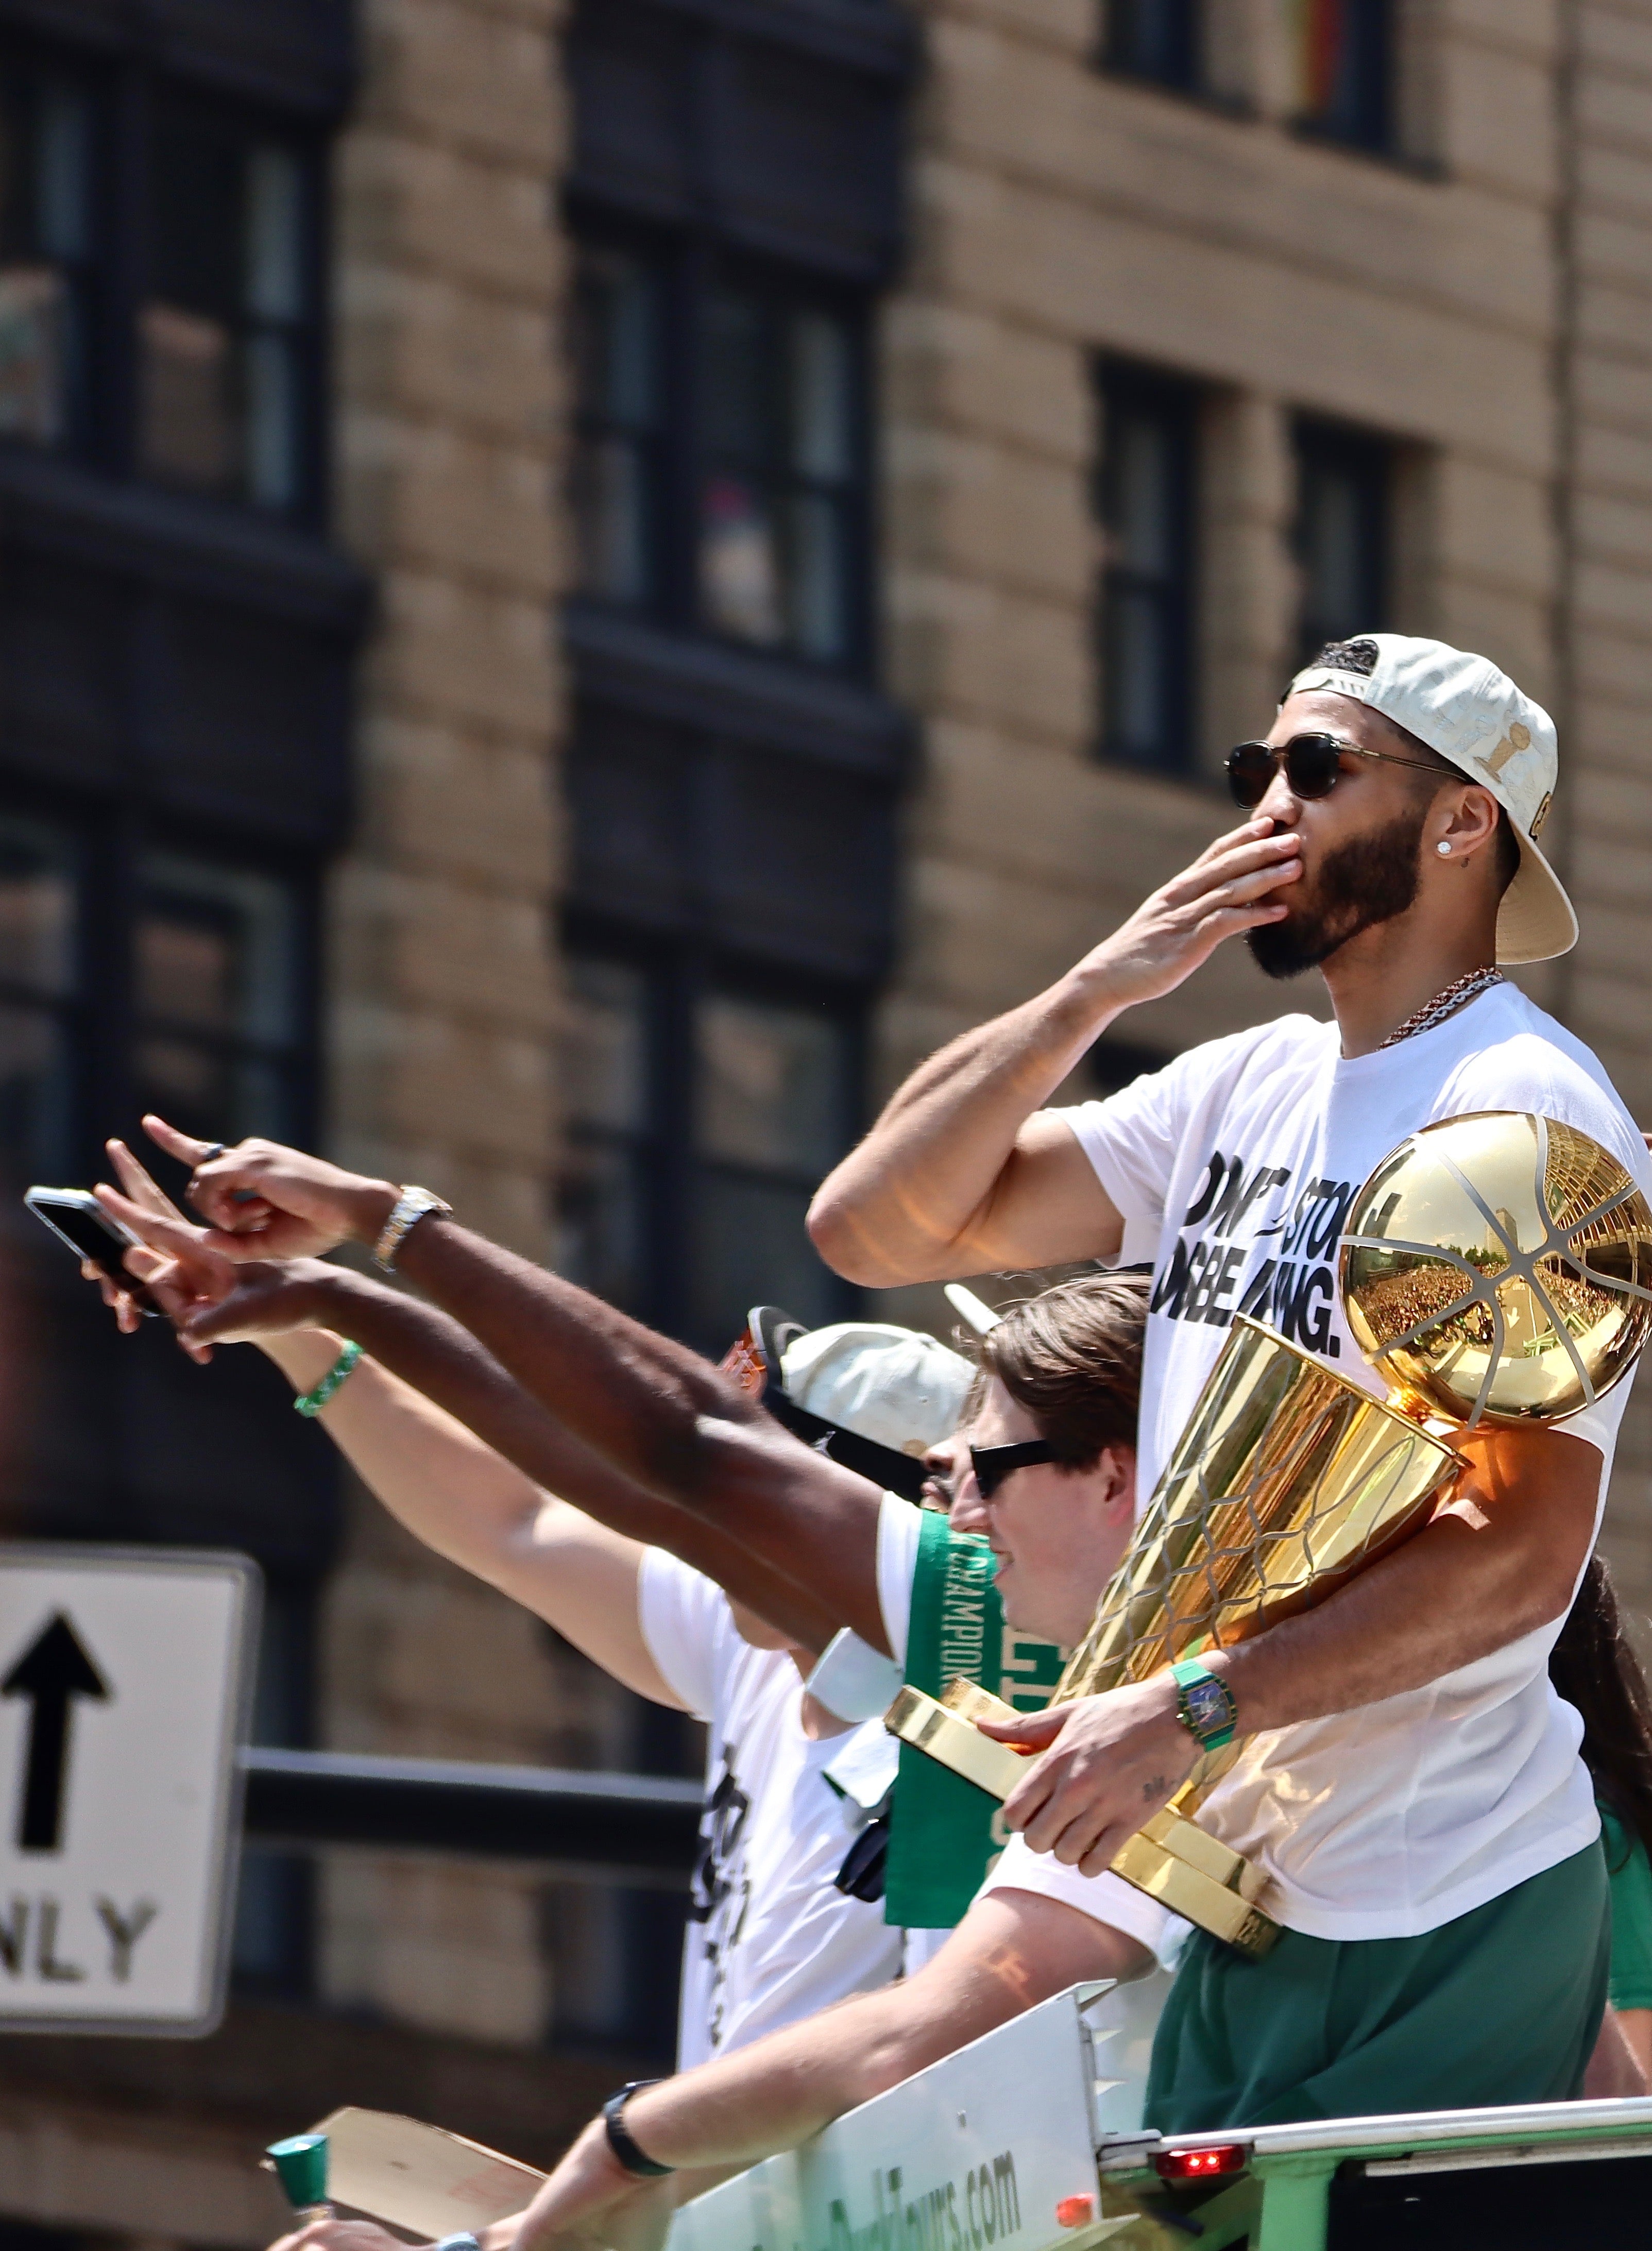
(633, 2159)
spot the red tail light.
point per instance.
(1074, 2211)
(1200, 2165)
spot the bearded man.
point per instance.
(1410, 1781)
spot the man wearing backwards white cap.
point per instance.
(1410, 1783)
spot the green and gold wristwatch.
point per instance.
(1204, 1704)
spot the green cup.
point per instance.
(300, 2166)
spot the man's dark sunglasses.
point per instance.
(993, 1464)
(1312, 763)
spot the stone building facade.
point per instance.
(709, 763)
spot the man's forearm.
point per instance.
(1012, 1951)
(919, 1188)
(431, 1352)
(1443, 1600)
(1503, 1563)
(638, 1397)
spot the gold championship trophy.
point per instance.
(1496, 1270)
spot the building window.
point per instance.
(215, 962)
(1159, 40)
(701, 1118)
(720, 473)
(1146, 495)
(1344, 71)
(778, 473)
(608, 1076)
(224, 327)
(48, 241)
(618, 335)
(159, 249)
(770, 1120)
(1342, 486)
(40, 988)
(192, 1004)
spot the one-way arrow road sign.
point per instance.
(125, 1678)
(51, 1672)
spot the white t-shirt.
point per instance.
(1390, 1820)
(1107, 1897)
(770, 1939)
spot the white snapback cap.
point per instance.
(896, 1386)
(1463, 707)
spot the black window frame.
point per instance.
(1124, 28)
(1174, 404)
(1362, 116)
(129, 97)
(1367, 461)
(689, 271)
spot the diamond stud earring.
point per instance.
(1443, 849)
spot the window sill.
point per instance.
(1236, 106)
(1390, 160)
(138, 528)
(694, 680)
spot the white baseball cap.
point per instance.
(1471, 713)
(897, 1387)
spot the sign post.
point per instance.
(125, 1686)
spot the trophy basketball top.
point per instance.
(1497, 1268)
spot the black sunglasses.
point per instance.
(993, 1464)
(1312, 763)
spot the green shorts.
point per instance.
(1502, 2005)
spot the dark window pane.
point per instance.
(1147, 568)
(34, 1090)
(37, 910)
(600, 1212)
(39, 946)
(752, 1249)
(617, 342)
(215, 977)
(770, 1085)
(46, 244)
(771, 1118)
(822, 399)
(1345, 69)
(221, 332)
(740, 379)
(1156, 39)
(1342, 511)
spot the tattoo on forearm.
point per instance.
(1155, 1792)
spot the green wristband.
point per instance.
(313, 1402)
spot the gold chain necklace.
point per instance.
(1456, 995)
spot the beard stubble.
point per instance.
(1369, 880)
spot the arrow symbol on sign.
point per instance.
(53, 1669)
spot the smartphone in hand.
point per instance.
(80, 1221)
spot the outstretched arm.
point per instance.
(1011, 1951)
(760, 1550)
(658, 1413)
(461, 1499)
(961, 1175)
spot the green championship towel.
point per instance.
(945, 1834)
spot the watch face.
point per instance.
(1206, 1705)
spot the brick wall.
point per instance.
(450, 402)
